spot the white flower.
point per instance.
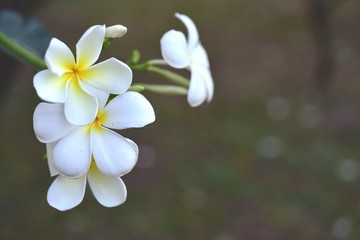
(75, 146)
(65, 80)
(66, 193)
(181, 53)
(115, 31)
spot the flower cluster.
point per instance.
(86, 101)
(75, 124)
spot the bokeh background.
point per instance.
(276, 155)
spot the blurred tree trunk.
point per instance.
(320, 12)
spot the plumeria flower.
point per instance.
(64, 80)
(181, 53)
(66, 193)
(75, 145)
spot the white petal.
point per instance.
(197, 92)
(80, 107)
(72, 154)
(114, 155)
(50, 160)
(109, 191)
(59, 58)
(50, 87)
(129, 110)
(111, 76)
(208, 81)
(50, 123)
(200, 57)
(89, 46)
(193, 35)
(66, 193)
(101, 96)
(174, 49)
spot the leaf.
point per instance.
(28, 32)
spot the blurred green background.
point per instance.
(276, 155)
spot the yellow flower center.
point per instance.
(96, 124)
(73, 74)
(76, 72)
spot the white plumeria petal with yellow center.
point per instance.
(66, 193)
(113, 154)
(65, 80)
(181, 53)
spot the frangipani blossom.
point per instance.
(75, 146)
(64, 81)
(66, 193)
(181, 53)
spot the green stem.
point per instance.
(163, 89)
(157, 62)
(136, 88)
(174, 77)
(22, 52)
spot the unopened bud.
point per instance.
(115, 31)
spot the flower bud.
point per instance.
(115, 31)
